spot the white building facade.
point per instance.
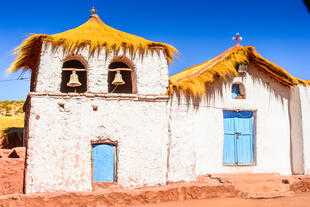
(197, 132)
(85, 124)
(63, 126)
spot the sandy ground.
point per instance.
(298, 200)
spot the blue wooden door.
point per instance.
(229, 152)
(103, 162)
(244, 137)
(238, 138)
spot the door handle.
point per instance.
(238, 134)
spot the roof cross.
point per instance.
(237, 38)
(93, 10)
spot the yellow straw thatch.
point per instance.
(95, 34)
(194, 80)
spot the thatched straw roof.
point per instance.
(95, 34)
(194, 80)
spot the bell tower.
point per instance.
(96, 90)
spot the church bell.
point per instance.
(118, 80)
(74, 80)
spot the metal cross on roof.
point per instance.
(237, 38)
(93, 10)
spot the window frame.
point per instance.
(241, 90)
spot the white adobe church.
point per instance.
(102, 108)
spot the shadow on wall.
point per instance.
(215, 90)
(12, 137)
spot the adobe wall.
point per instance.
(297, 137)
(305, 114)
(62, 126)
(59, 144)
(151, 70)
(198, 134)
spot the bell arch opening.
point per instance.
(73, 76)
(121, 78)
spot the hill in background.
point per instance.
(12, 108)
(11, 115)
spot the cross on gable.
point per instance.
(237, 38)
(93, 10)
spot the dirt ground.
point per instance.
(298, 200)
(12, 163)
(211, 191)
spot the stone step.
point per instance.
(253, 180)
(268, 185)
(245, 175)
(259, 195)
(263, 187)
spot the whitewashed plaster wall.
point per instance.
(197, 134)
(297, 145)
(59, 144)
(181, 153)
(60, 139)
(151, 70)
(305, 114)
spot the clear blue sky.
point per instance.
(199, 29)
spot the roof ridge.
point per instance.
(193, 81)
(95, 18)
(214, 60)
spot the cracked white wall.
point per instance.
(151, 70)
(59, 143)
(59, 146)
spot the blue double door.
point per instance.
(238, 138)
(103, 160)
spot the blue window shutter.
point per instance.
(103, 162)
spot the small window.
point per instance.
(73, 77)
(119, 78)
(238, 91)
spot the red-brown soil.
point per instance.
(301, 184)
(12, 170)
(207, 190)
(298, 200)
(263, 185)
(207, 187)
(121, 197)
